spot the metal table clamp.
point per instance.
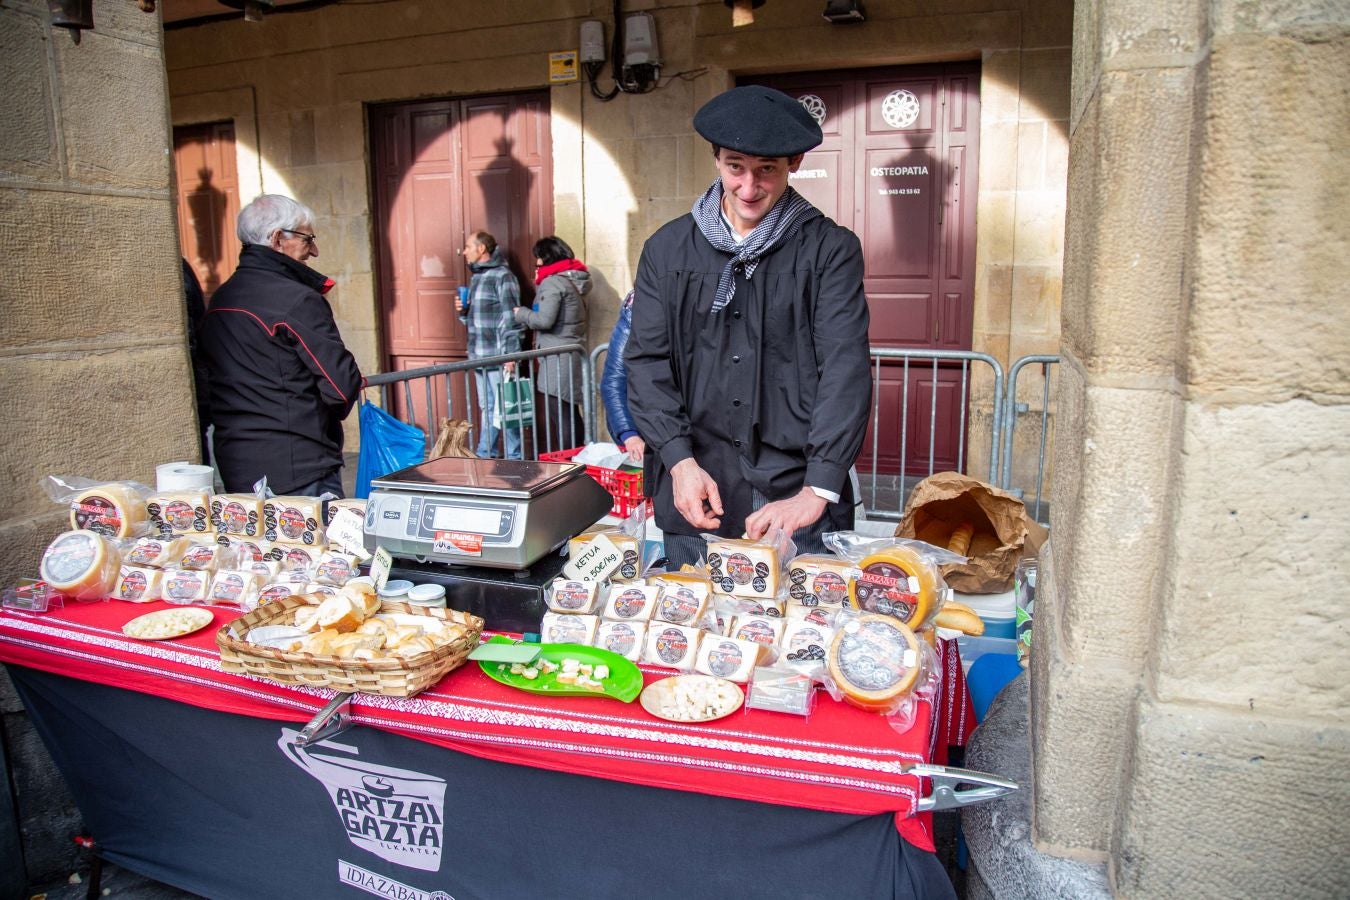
(328, 722)
(946, 791)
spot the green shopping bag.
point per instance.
(515, 402)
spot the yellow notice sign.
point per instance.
(562, 66)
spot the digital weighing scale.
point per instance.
(484, 513)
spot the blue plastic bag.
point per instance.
(387, 445)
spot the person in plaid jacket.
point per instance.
(494, 293)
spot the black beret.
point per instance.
(758, 121)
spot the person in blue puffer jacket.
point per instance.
(614, 387)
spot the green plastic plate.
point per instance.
(624, 682)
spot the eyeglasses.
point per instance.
(309, 238)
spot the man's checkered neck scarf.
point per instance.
(778, 225)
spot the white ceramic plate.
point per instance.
(706, 698)
(168, 623)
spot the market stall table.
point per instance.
(183, 773)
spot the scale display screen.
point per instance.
(466, 518)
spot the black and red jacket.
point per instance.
(281, 379)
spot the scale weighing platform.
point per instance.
(493, 513)
(484, 529)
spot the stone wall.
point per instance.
(296, 86)
(93, 352)
(1188, 702)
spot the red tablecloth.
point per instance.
(839, 759)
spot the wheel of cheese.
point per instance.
(110, 509)
(896, 581)
(81, 564)
(874, 660)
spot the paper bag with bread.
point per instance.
(989, 526)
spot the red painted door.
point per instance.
(897, 166)
(207, 200)
(443, 168)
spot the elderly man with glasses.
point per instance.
(281, 380)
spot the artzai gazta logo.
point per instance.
(395, 814)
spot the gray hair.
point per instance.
(268, 214)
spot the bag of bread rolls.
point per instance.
(989, 527)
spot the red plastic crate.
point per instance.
(624, 487)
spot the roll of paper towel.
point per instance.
(184, 476)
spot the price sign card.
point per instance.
(379, 568)
(596, 563)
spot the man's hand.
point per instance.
(795, 512)
(635, 446)
(696, 495)
(509, 367)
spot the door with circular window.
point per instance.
(898, 166)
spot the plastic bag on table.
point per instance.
(750, 569)
(387, 445)
(878, 664)
(114, 509)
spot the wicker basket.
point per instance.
(393, 677)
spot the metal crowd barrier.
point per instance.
(1001, 406)
(1012, 410)
(546, 432)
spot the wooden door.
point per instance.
(443, 168)
(897, 166)
(207, 189)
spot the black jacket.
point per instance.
(281, 380)
(772, 393)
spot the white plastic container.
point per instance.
(396, 589)
(427, 595)
(999, 612)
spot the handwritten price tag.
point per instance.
(596, 562)
(379, 569)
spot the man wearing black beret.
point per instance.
(747, 360)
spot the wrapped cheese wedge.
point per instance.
(293, 520)
(565, 596)
(180, 512)
(683, 599)
(184, 586)
(239, 514)
(766, 630)
(728, 658)
(820, 580)
(234, 588)
(628, 639)
(672, 646)
(139, 584)
(157, 552)
(630, 602)
(743, 568)
(561, 628)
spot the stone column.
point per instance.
(1189, 709)
(93, 340)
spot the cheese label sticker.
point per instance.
(620, 639)
(672, 646)
(458, 542)
(596, 563)
(726, 659)
(133, 585)
(348, 531)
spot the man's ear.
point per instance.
(274, 240)
(794, 162)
